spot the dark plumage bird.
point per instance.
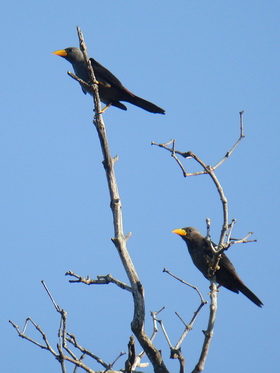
(202, 255)
(111, 90)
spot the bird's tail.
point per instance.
(146, 105)
(249, 294)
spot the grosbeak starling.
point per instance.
(202, 255)
(111, 90)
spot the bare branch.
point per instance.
(154, 333)
(76, 367)
(22, 334)
(177, 354)
(61, 359)
(214, 266)
(188, 153)
(165, 333)
(62, 345)
(138, 358)
(175, 351)
(208, 223)
(112, 364)
(93, 81)
(230, 228)
(208, 334)
(188, 284)
(51, 297)
(60, 356)
(188, 327)
(242, 135)
(210, 171)
(119, 240)
(101, 280)
(62, 326)
(241, 240)
(82, 82)
(131, 355)
(173, 154)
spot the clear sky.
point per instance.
(202, 62)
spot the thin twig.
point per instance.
(61, 359)
(72, 339)
(173, 154)
(62, 325)
(51, 297)
(117, 358)
(186, 283)
(82, 82)
(208, 224)
(241, 136)
(76, 367)
(165, 333)
(101, 280)
(175, 352)
(62, 345)
(183, 154)
(22, 334)
(230, 229)
(242, 240)
(188, 327)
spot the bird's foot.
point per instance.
(104, 84)
(105, 108)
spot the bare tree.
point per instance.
(68, 349)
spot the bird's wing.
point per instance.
(103, 75)
(226, 263)
(226, 267)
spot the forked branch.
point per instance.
(225, 240)
(209, 170)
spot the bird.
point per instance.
(202, 255)
(111, 90)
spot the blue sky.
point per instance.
(202, 62)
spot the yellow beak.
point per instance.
(181, 232)
(61, 53)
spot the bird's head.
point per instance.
(71, 54)
(187, 233)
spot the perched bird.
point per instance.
(202, 255)
(111, 90)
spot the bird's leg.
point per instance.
(105, 108)
(107, 85)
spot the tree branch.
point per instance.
(64, 337)
(119, 239)
(210, 171)
(208, 334)
(188, 284)
(226, 227)
(101, 280)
